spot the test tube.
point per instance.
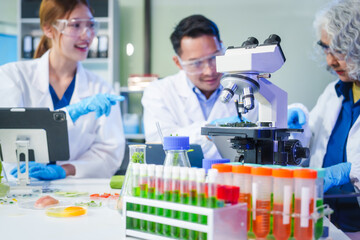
(212, 188)
(304, 203)
(167, 197)
(242, 178)
(193, 201)
(319, 188)
(136, 192)
(282, 205)
(202, 201)
(143, 193)
(151, 194)
(175, 187)
(159, 189)
(261, 200)
(184, 199)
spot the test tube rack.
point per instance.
(223, 223)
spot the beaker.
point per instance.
(304, 203)
(176, 148)
(282, 206)
(261, 201)
(137, 154)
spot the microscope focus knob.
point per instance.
(296, 151)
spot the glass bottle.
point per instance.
(4, 186)
(176, 148)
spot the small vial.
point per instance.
(184, 198)
(202, 201)
(143, 182)
(212, 188)
(175, 187)
(167, 197)
(151, 194)
(159, 195)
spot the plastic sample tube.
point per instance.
(159, 195)
(261, 200)
(167, 197)
(175, 187)
(136, 192)
(224, 174)
(283, 191)
(193, 201)
(242, 178)
(304, 203)
(143, 193)
(184, 199)
(151, 194)
(212, 188)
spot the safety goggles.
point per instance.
(327, 50)
(197, 66)
(76, 27)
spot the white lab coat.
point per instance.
(320, 123)
(173, 104)
(96, 145)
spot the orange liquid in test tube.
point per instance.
(246, 198)
(281, 231)
(303, 233)
(261, 224)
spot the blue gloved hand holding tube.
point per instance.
(336, 175)
(296, 118)
(100, 104)
(41, 171)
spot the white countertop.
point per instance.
(100, 223)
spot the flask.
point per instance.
(4, 186)
(176, 148)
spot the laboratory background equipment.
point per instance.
(245, 71)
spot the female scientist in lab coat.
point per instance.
(57, 80)
(334, 121)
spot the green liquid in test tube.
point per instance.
(175, 186)
(168, 198)
(159, 195)
(184, 199)
(151, 194)
(143, 194)
(212, 189)
(193, 235)
(136, 192)
(202, 201)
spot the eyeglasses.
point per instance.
(76, 27)
(196, 66)
(327, 50)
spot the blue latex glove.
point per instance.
(232, 119)
(100, 103)
(296, 118)
(336, 175)
(41, 171)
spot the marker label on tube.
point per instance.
(305, 207)
(287, 204)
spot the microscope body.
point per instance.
(245, 71)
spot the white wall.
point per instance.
(303, 78)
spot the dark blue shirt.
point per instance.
(65, 100)
(346, 210)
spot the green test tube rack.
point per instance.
(223, 223)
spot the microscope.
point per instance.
(246, 69)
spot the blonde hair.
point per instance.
(50, 11)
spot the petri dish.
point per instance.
(68, 211)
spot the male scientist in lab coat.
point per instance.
(184, 102)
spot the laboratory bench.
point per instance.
(99, 223)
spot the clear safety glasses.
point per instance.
(197, 66)
(327, 50)
(76, 27)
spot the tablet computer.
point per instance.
(43, 130)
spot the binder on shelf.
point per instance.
(103, 46)
(27, 46)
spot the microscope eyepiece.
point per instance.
(251, 41)
(272, 39)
